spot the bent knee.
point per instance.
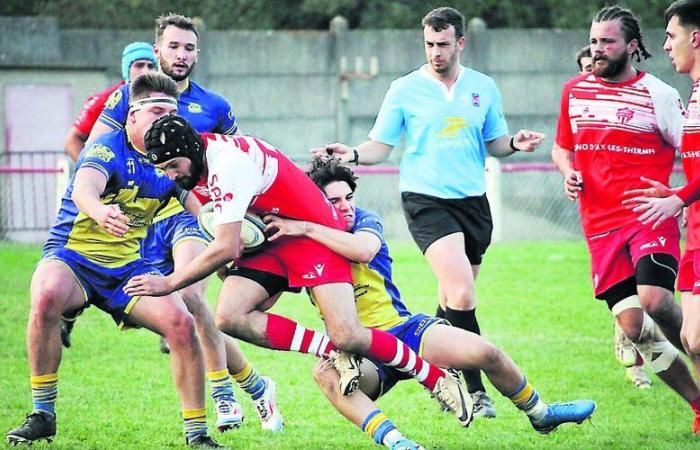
(691, 342)
(180, 329)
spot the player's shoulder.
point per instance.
(212, 98)
(365, 219)
(579, 79)
(107, 147)
(474, 76)
(658, 87)
(118, 95)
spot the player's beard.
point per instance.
(167, 69)
(188, 182)
(613, 68)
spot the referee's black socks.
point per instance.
(465, 320)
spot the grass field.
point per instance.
(535, 303)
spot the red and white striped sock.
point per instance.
(285, 334)
(390, 351)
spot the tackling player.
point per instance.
(175, 237)
(616, 124)
(658, 203)
(379, 306)
(93, 248)
(240, 173)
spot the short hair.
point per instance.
(148, 83)
(325, 172)
(687, 11)
(176, 20)
(630, 26)
(585, 52)
(441, 18)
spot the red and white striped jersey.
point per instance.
(690, 153)
(246, 173)
(618, 132)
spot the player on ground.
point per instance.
(175, 238)
(616, 124)
(379, 306)
(241, 173)
(625, 352)
(658, 203)
(451, 116)
(137, 58)
(94, 248)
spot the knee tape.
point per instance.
(657, 352)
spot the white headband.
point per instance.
(159, 101)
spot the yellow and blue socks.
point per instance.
(195, 422)
(220, 383)
(44, 392)
(250, 381)
(528, 400)
(382, 430)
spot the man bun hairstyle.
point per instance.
(630, 26)
(172, 136)
(687, 11)
(441, 18)
(325, 172)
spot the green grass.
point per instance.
(535, 302)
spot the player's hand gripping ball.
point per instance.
(252, 234)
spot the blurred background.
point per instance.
(300, 74)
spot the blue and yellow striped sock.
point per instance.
(221, 385)
(528, 400)
(377, 426)
(250, 381)
(195, 422)
(44, 391)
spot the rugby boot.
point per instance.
(37, 426)
(270, 417)
(406, 444)
(559, 413)
(203, 441)
(483, 405)
(229, 413)
(348, 367)
(449, 393)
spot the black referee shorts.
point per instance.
(431, 218)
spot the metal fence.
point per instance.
(527, 199)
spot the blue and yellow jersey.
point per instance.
(133, 183)
(207, 111)
(377, 299)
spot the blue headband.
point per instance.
(134, 52)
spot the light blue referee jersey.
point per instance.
(446, 131)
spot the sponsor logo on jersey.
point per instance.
(651, 244)
(475, 100)
(194, 108)
(99, 151)
(452, 127)
(624, 115)
(113, 99)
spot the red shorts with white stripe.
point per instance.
(614, 254)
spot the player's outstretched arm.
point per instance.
(360, 247)
(368, 153)
(88, 186)
(522, 141)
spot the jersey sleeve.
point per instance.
(88, 115)
(98, 156)
(495, 124)
(116, 108)
(565, 136)
(389, 124)
(227, 119)
(370, 222)
(234, 180)
(669, 116)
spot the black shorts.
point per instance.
(431, 218)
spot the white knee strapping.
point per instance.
(657, 352)
(628, 303)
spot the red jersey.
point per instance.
(618, 132)
(92, 108)
(690, 153)
(246, 173)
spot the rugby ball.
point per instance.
(252, 233)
